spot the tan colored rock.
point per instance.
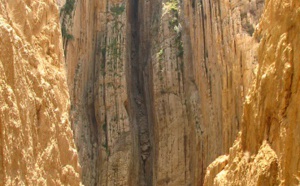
(95, 60)
(215, 167)
(168, 77)
(270, 123)
(36, 141)
(218, 68)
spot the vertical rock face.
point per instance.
(156, 90)
(220, 60)
(157, 86)
(97, 82)
(267, 151)
(36, 141)
(80, 66)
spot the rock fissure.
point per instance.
(137, 88)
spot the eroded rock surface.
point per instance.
(36, 140)
(157, 86)
(267, 152)
(156, 90)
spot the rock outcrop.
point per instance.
(219, 65)
(158, 90)
(36, 140)
(267, 151)
(157, 86)
(97, 84)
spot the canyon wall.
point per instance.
(267, 150)
(157, 86)
(95, 56)
(36, 140)
(220, 64)
(156, 90)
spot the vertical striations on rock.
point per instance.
(79, 45)
(267, 151)
(157, 86)
(36, 140)
(95, 56)
(139, 81)
(219, 65)
(157, 91)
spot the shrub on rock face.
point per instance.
(66, 11)
(117, 10)
(65, 33)
(68, 7)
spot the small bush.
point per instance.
(180, 50)
(160, 54)
(65, 33)
(68, 7)
(117, 10)
(173, 6)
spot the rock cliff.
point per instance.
(157, 86)
(36, 140)
(267, 150)
(160, 92)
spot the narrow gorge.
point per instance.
(149, 92)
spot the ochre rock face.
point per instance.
(220, 60)
(162, 92)
(267, 151)
(157, 86)
(97, 84)
(36, 140)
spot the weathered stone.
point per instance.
(267, 153)
(36, 140)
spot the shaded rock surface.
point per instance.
(157, 86)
